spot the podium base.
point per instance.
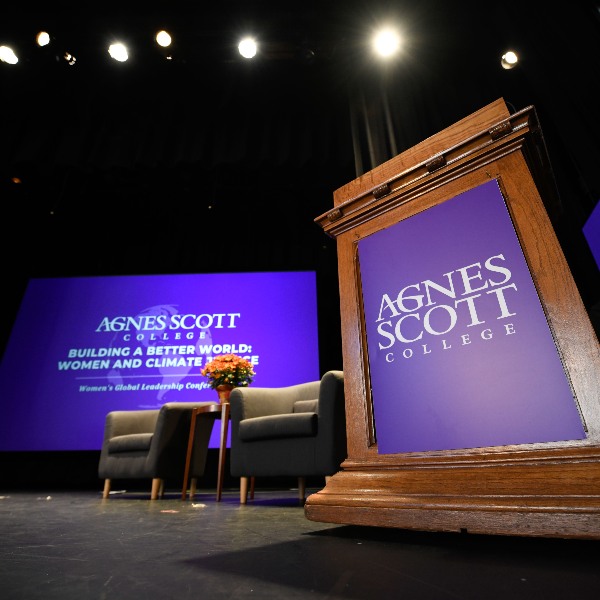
(543, 493)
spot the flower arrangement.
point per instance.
(228, 369)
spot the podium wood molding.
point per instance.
(543, 489)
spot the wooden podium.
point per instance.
(531, 488)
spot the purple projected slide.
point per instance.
(81, 347)
(460, 352)
(591, 231)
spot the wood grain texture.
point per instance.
(546, 489)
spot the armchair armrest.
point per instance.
(331, 441)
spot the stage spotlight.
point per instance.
(118, 51)
(42, 38)
(386, 43)
(7, 55)
(71, 60)
(509, 60)
(247, 48)
(163, 39)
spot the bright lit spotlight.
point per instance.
(42, 38)
(118, 52)
(163, 39)
(8, 56)
(386, 43)
(509, 60)
(247, 48)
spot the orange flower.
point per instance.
(229, 369)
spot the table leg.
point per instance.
(188, 458)
(222, 448)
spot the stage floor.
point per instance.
(74, 545)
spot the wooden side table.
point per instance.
(214, 411)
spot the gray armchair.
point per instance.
(152, 444)
(297, 431)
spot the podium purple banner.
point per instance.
(460, 351)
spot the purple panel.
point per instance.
(460, 351)
(81, 347)
(591, 231)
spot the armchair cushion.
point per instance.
(306, 405)
(130, 443)
(279, 426)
